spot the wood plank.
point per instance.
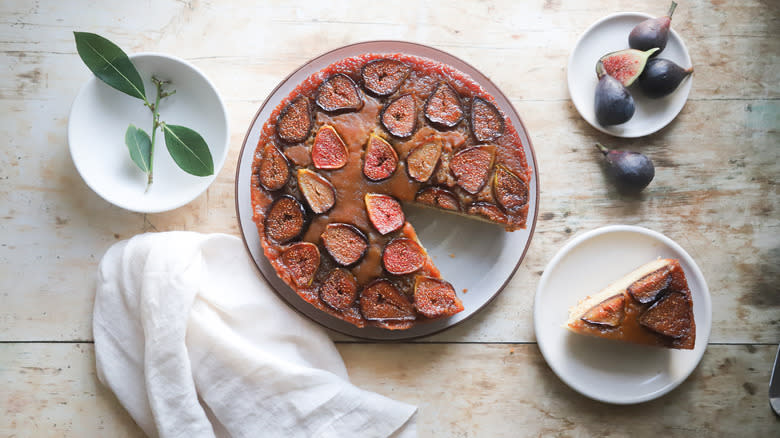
(461, 390)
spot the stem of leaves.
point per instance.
(155, 109)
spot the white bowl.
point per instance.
(100, 116)
(606, 370)
(610, 34)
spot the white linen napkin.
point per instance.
(194, 344)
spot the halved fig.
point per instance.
(670, 316)
(339, 93)
(471, 167)
(399, 117)
(435, 298)
(381, 301)
(380, 160)
(609, 312)
(382, 77)
(318, 191)
(328, 150)
(295, 121)
(345, 243)
(339, 290)
(422, 161)
(648, 288)
(274, 168)
(438, 197)
(301, 261)
(488, 211)
(403, 256)
(510, 191)
(443, 107)
(384, 212)
(487, 123)
(285, 219)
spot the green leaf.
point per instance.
(110, 64)
(188, 150)
(140, 146)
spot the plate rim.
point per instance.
(578, 240)
(587, 31)
(283, 297)
(219, 162)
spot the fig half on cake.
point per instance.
(652, 305)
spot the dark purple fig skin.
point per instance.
(653, 32)
(661, 77)
(614, 104)
(631, 171)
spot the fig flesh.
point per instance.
(510, 191)
(471, 167)
(399, 117)
(669, 316)
(301, 261)
(443, 107)
(624, 65)
(661, 77)
(285, 219)
(614, 104)
(487, 123)
(487, 210)
(632, 171)
(438, 197)
(609, 313)
(345, 243)
(381, 301)
(318, 191)
(422, 161)
(653, 32)
(380, 160)
(435, 298)
(339, 290)
(274, 168)
(648, 288)
(295, 121)
(339, 93)
(403, 256)
(384, 212)
(328, 150)
(383, 77)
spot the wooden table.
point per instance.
(715, 193)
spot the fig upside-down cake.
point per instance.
(339, 155)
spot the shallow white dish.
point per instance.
(471, 254)
(601, 369)
(610, 34)
(100, 116)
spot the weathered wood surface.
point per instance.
(715, 193)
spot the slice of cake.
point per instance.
(651, 306)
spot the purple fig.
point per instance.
(632, 171)
(661, 77)
(653, 32)
(614, 104)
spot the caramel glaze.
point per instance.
(632, 331)
(351, 185)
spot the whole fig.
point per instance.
(632, 171)
(614, 104)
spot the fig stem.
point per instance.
(671, 10)
(602, 148)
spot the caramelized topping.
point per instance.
(648, 288)
(285, 219)
(435, 298)
(339, 93)
(384, 212)
(318, 191)
(471, 167)
(345, 243)
(403, 256)
(487, 124)
(382, 77)
(301, 261)
(438, 197)
(399, 117)
(487, 210)
(295, 121)
(609, 312)
(274, 168)
(380, 160)
(670, 316)
(328, 150)
(509, 190)
(443, 107)
(381, 300)
(422, 161)
(339, 289)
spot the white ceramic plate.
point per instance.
(486, 256)
(100, 116)
(601, 369)
(610, 34)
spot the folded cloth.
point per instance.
(194, 344)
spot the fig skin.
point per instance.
(661, 77)
(614, 104)
(399, 117)
(422, 161)
(438, 197)
(295, 121)
(285, 219)
(339, 93)
(653, 32)
(383, 77)
(318, 191)
(443, 107)
(471, 167)
(624, 65)
(274, 168)
(302, 260)
(435, 298)
(345, 243)
(382, 301)
(631, 171)
(510, 191)
(487, 123)
(339, 290)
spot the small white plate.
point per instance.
(610, 34)
(100, 116)
(601, 369)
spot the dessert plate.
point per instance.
(605, 370)
(610, 34)
(477, 257)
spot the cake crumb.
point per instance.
(452, 255)
(511, 351)
(465, 290)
